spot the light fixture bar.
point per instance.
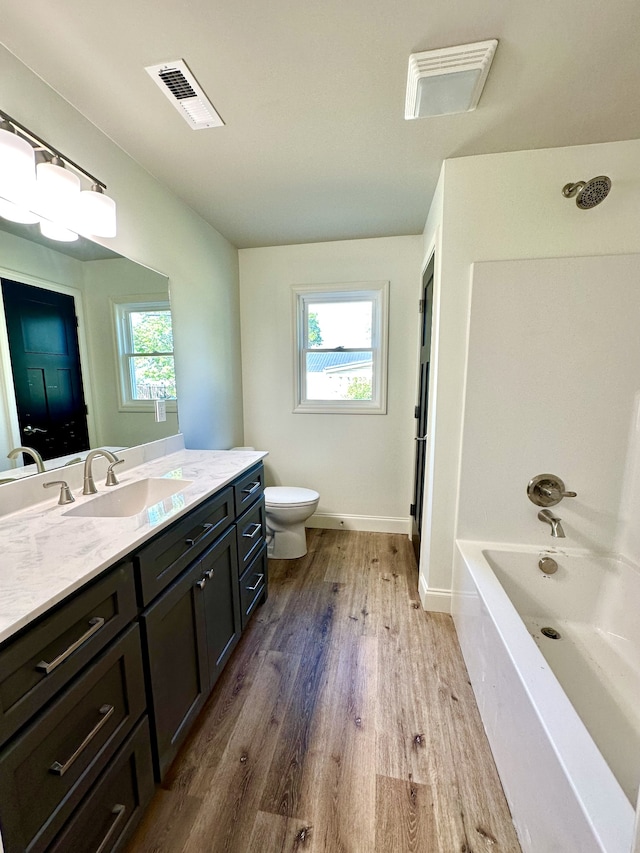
(49, 187)
(41, 143)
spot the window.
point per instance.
(341, 347)
(144, 337)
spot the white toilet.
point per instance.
(287, 508)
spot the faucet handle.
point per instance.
(112, 480)
(555, 494)
(547, 490)
(65, 492)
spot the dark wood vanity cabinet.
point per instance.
(191, 628)
(98, 694)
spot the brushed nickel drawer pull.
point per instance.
(205, 529)
(256, 529)
(251, 488)
(60, 769)
(256, 584)
(96, 623)
(118, 812)
(209, 573)
(201, 583)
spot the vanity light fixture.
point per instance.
(40, 184)
(448, 80)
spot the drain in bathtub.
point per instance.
(551, 633)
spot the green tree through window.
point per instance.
(152, 335)
(315, 335)
(359, 388)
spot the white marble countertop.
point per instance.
(46, 555)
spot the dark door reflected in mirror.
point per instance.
(45, 366)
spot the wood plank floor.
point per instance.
(344, 723)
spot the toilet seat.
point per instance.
(283, 496)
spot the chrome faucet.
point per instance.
(30, 452)
(89, 487)
(549, 518)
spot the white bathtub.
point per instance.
(562, 716)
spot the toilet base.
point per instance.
(287, 544)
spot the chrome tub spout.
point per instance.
(549, 518)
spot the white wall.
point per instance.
(360, 464)
(510, 206)
(158, 230)
(552, 382)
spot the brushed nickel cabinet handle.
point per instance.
(209, 573)
(256, 529)
(256, 584)
(96, 623)
(205, 529)
(201, 583)
(251, 488)
(60, 769)
(118, 812)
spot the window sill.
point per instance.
(146, 407)
(347, 408)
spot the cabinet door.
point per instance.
(219, 568)
(176, 645)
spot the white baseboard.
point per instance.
(371, 523)
(438, 600)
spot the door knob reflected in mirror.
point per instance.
(29, 430)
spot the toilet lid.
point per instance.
(289, 496)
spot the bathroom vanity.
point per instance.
(108, 654)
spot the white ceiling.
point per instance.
(315, 145)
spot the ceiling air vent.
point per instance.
(182, 89)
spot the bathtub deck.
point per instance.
(344, 723)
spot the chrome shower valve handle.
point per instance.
(547, 490)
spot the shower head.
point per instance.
(588, 193)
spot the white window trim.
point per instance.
(378, 292)
(120, 309)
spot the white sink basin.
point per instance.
(130, 499)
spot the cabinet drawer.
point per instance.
(253, 585)
(170, 552)
(45, 771)
(112, 809)
(251, 533)
(38, 663)
(249, 488)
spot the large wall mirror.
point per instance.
(69, 385)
